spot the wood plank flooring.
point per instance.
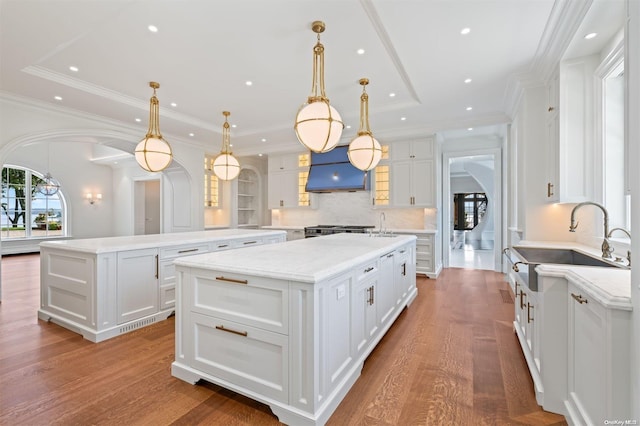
(451, 358)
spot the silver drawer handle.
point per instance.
(579, 298)
(249, 242)
(188, 250)
(232, 280)
(223, 245)
(369, 269)
(228, 330)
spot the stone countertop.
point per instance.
(394, 230)
(134, 242)
(285, 227)
(609, 286)
(308, 260)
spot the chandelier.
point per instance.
(153, 153)
(225, 165)
(318, 125)
(364, 150)
(48, 186)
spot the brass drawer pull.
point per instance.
(529, 317)
(228, 330)
(188, 250)
(232, 280)
(579, 298)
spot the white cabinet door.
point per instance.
(413, 183)
(137, 284)
(415, 150)
(385, 295)
(365, 319)
(283, 189)
(401, 176)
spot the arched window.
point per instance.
(26, 213)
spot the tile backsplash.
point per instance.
(354, 208)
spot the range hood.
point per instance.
(332, 171)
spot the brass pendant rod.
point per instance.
(364, 110)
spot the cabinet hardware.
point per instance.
(188, 250)
(223, 245)
(373, 289)
(390, 255)
(228, 330)
(517, 285)
(549, 190)
(550, 109)
(249, 242)
(522, 296)
(232, 280)
(281, 203)
(579, 298)
(402, 251)
(369, 269)
(404, 269)
(529, 317)
(157, 267)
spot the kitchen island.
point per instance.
(291, 324)
(104, 287)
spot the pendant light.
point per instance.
(318, 125)
(48, 186)
(364, 150)
(153, 153)
(225, 165)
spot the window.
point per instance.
(27, 213)
(469, 209)
(382, 180)
(303, 195)
(211, 187)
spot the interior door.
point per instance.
(147, 207)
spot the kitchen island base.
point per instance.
(290, 325)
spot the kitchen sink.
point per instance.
(525, 259)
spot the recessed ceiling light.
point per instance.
(468, 80)
(391, 95)
(248, 83)
(57, 98)
(465, 31)
(470, 128)
(230, 145)
(360, 51)
(263, 140)
(234, 125)
(259, 155)
(173, 104)
(469, 108)
(403, 118)
(347, 126)
(192, 134)
(153, 28)
(590, 36)
(73, 68)
(138, 120)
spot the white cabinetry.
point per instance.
(285, 338)
(413, 174)
(104, 287)
(598, 382)
(248, 192)
(426, 261)
(286, 175)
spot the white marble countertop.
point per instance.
(609, 286)
(291, 227)
(375, 230)
(308, 260)
(133, 242)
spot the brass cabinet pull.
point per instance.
(522, 295)
(550, 109)
(517, 285)
(228, 330)
(157, 267)
(549, 189)
(281, 203)
(249, 242)
(529, 317)
(188, 250)
(579, 298)
(372, 292)
(232, 280)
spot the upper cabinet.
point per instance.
(287, 179)
(248, 198)
(412, 173)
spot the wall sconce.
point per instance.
(91, 198)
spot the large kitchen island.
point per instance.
(104, 287)
(291, 324)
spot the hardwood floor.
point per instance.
(451, 358)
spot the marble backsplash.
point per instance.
(354, 208)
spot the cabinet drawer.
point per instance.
(367, 271)
(186, 250)
(258, 302)
(246, 356)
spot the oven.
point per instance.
(320, 230)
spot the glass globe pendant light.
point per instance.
(48, 186)
(364, 150)
(153, 153)
(225, 165)
(318, 125)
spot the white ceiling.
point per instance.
(205, 51)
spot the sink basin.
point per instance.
(525, 260)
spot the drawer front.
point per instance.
(167, 297)
(258, 302)
(186, 250)
(249, 357)
(248, 242)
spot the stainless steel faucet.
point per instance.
(606, 247)
(383, 219)
(628, 235)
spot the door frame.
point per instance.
(139, 205)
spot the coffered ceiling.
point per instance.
(205, 51)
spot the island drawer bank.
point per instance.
(104, 287)
(291, 324)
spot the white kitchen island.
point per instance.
(103, 287)
(291, 324)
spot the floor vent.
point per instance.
(506, 296)
(138, 324)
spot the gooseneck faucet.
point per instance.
(383, 219)
(606, 247)
(628, 235)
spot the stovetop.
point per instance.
(312, 231)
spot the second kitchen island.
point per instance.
(291, 324)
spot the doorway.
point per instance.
(147, 207)
(472, 209)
